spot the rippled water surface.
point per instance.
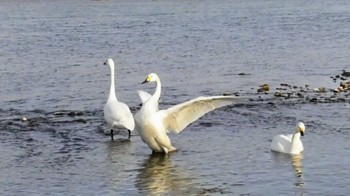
(52, 73)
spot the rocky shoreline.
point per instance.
(304, 94)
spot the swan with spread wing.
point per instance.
(154, 124)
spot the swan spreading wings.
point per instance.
(154, 124)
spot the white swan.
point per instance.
(116, 113)
(153, 124)
(291, 143)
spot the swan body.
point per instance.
(154, 124)
(291, 143)
(116, 113)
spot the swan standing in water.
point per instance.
(116, 113)
(154, 124)
(291, 143)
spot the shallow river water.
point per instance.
(52, 73)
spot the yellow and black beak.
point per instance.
(301, 132)
(147, 80)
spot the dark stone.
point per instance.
(313, 100)
(345, 73)
(300, 95)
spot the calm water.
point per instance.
(52, 72)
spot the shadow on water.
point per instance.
(296, 163)
(159, 176)
(117, 146)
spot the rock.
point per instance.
(300, 95)
(264, 88)
(345, 84)
(226, 94)
(281, 89)
(313, 100)
(345, 73)
(341, 99)
(320, 90)
(279, 94)
(337, 90)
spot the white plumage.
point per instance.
(153, 124)
(116, 113)
(291, 143)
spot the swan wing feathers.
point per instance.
(123, 114)
(144, 96)
(178, 117)
(281, 143)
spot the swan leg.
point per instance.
(129, 134)
(112, 134)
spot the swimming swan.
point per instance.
(116, 113)
(291, 143)
(153, 124)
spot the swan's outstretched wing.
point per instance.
(144, 96)
(178, 117)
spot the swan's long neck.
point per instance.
(112, 88)
(295, 139)
(156, 94)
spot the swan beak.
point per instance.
(302, 132)
(105, 63)
(147, 80)
(144, 81)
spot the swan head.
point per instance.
(152, 77)
(300, 128)
(109, 62)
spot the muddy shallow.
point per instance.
(52, 73)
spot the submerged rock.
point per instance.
(314, 100)
(345, 73)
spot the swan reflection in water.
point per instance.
(158, 177)
(298, 168)
(295, 160)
